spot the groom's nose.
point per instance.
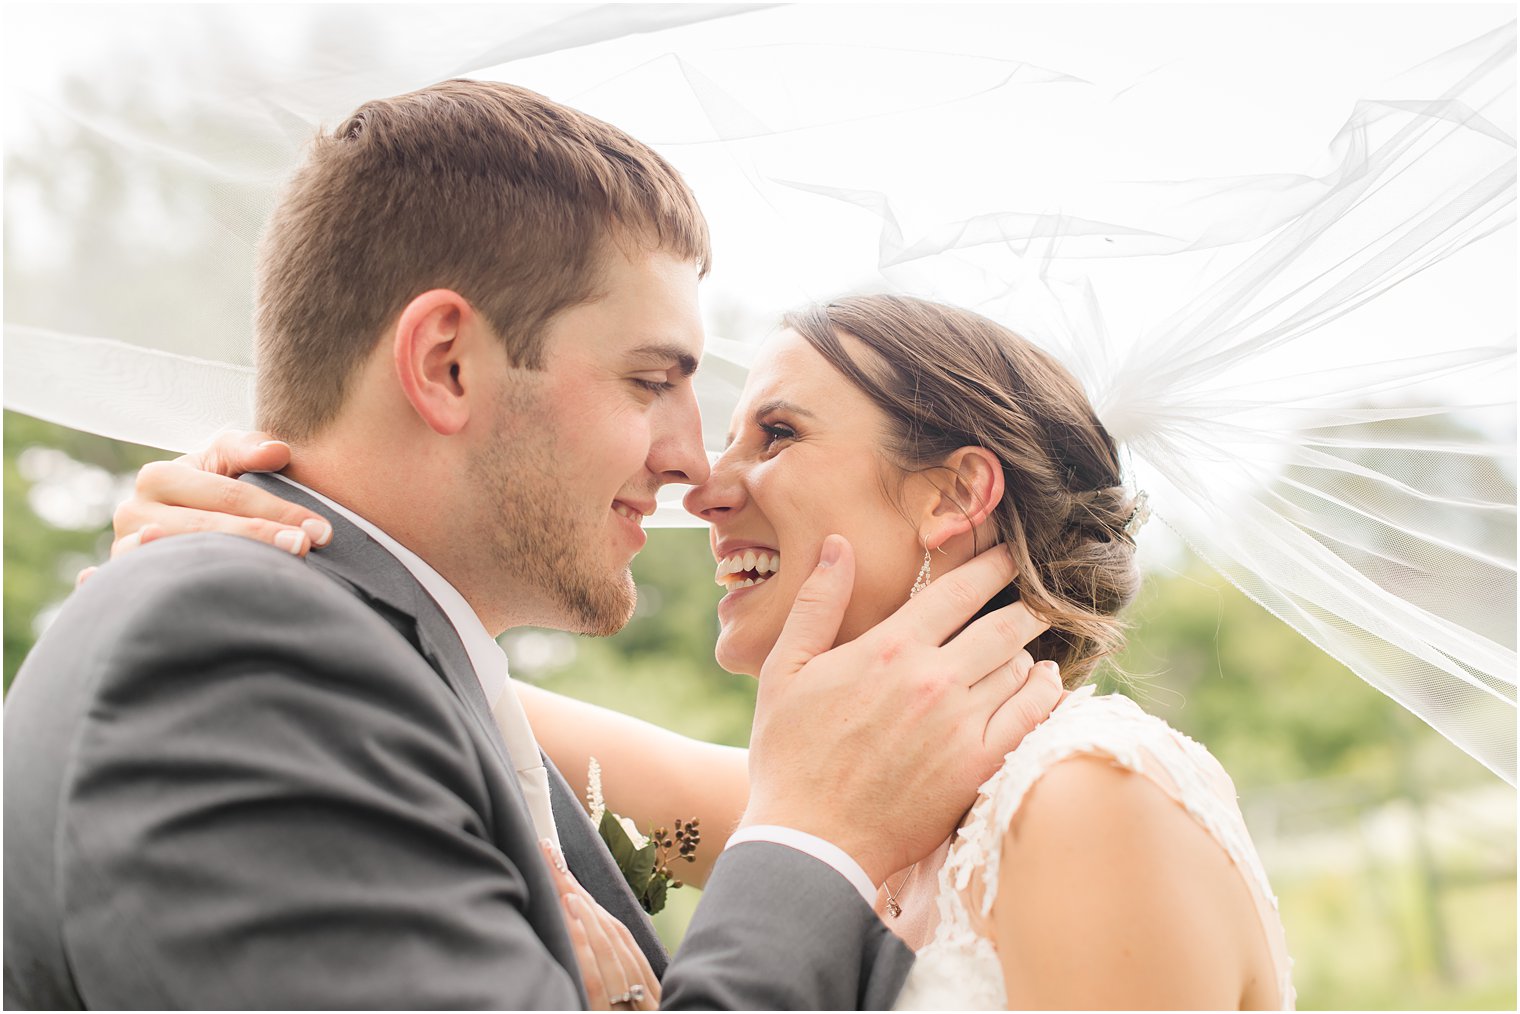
(676, 453)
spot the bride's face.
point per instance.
(804, 460)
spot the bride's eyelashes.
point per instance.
(775, 433)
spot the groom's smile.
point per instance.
(633, 518)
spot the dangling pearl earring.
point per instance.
(922, 581)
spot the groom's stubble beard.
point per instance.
(540, 538)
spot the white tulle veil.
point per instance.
(1306, 350)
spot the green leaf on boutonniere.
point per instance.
(617, 841)
(639, 870)
(645, 867)
(655, 899)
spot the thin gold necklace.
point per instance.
(893, 908)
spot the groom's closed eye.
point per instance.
(662, 367)
(658, 383)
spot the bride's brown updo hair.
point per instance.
(949, 378)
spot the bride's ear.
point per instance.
(967, 487)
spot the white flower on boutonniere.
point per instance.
(644, 860)
(598, 806)
(639, 841)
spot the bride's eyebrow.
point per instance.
(784, 407)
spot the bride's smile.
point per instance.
(740, 568)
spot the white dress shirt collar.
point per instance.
(487, 659)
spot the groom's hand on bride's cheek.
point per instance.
(199, 492)
(880, 744)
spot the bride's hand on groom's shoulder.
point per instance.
(199, 492)
(879, 745)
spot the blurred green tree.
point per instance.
(42, 559)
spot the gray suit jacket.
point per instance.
(236, 779)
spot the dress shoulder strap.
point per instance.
(1111, 726)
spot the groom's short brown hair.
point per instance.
(485, 188)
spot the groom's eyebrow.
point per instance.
(669, 355)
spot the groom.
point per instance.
(239, 779)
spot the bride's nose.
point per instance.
(722, 492)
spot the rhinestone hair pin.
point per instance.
(1140, 515)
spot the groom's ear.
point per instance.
(430, 358)
(966, 489)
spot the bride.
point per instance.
(1106, 864)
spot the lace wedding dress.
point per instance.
(959, 969)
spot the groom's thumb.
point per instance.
(814, 621)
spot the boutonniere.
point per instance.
(644, 860)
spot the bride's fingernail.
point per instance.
(552, 854)
(271, 443)
(290, 540)
(320, 532)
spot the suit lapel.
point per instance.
(356, 560)
(379, 579)
(597, 872)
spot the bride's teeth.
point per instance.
(762, 563)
